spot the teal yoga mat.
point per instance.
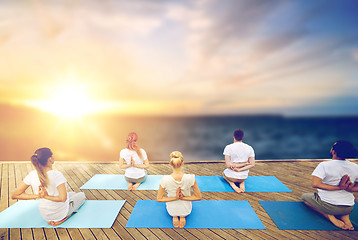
(92, 214)
(205, 214)
(118, 182)
(205, 183)
(297, 216)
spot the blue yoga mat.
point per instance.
(205, 214)
(205, 183)
(297, 216)
(92, 214)
(252, 184)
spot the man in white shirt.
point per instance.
(335, 180)
(239, 158)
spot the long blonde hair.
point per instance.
(132, 139)
(176, 159)
(39, 160)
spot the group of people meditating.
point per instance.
(335, 180)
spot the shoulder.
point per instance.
(228, 148)
(165, 179)
(123, 151)
(31, 174)
(190, 178)
(55, 174)
(247, 145)
(143, 151)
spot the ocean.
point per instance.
(101, 137)
(272, 137)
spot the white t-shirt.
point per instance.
(331, 173)
(133, 172)
(179, 208)
(50, 210)
(239, 152)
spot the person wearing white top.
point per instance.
(178, 186)
(135, 162)
(335, 180)
(239, 158)
(56, 205)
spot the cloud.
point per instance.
(151, 51)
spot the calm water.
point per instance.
(272, 137)
(100, 138)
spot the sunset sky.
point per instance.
(180, 57)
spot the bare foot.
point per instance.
(175, 222)
(54, 224)
(336, 222)
(130, 186)
(242, 187)
(236, 188)
(347, 222)
(182, 222)
(135, 186)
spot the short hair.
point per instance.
(344, 149)
(238, 134)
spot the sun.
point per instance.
(68, 101)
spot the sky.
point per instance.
(180, 57)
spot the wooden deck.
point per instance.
(295, 175)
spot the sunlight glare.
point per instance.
(68, 101)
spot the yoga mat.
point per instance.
(92, 214)
(252, 184)
(205, 183)
(297, 216)
(205, 214)
(118, 182)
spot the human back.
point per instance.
(50, 210)
(239, 151)
(331, 173)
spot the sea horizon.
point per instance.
(199, 138)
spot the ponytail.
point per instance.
(176, 159)
(132, 143)
(39, 160)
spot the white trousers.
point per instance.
(75, 200)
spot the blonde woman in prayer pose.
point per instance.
(135, 162)
(178, 186)
(56, 205)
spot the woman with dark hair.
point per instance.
(335, 181)
(56, 205)
(134, 160)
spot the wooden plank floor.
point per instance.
(295, 175)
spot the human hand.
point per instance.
(345, 182)
(350, 186)
(181, 195)
(42, 192)
(177, 195)
(132, 162)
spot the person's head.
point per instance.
(176, 159)
(238, 134)
(132, 139)
(40, 160)
(343, 149)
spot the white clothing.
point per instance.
(331, 173)
(179, 208)
(50, 210)
(133, 172)
(239, 152)
(75, 201)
